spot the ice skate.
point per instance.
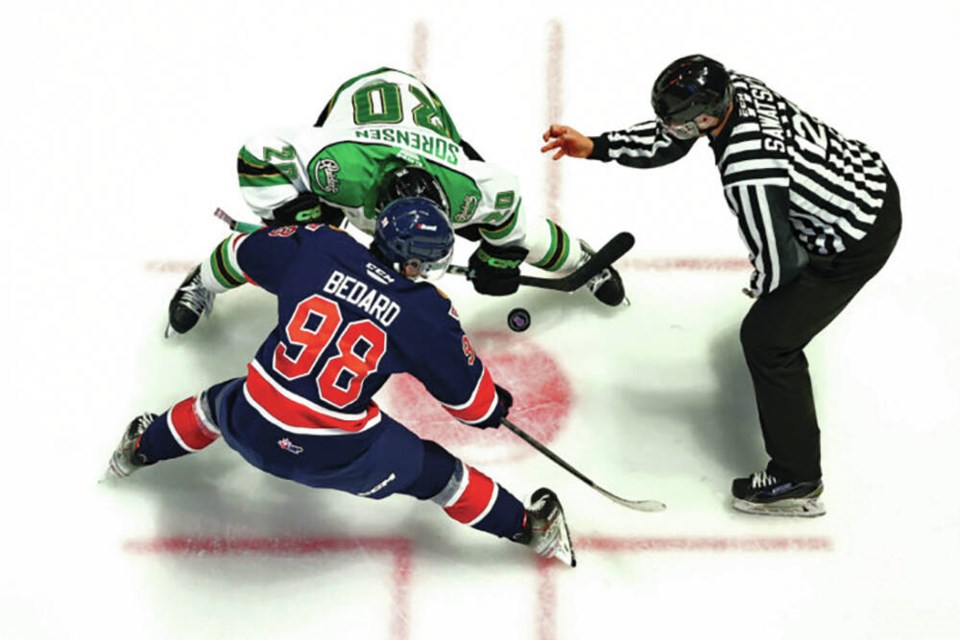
(191, 300)
(125, 459)
(546, 528)
(764, 494)
(606, 286)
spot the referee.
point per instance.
(820, 215)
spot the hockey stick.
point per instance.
(236, 225)
(637, 505)
(249, 227)
(607, 255)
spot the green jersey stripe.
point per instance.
(559, 250)
(223, 270)
(503, 229)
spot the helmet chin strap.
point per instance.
(717, 128)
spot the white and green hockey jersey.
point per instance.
(374, 124)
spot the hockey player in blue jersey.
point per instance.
(348, 318)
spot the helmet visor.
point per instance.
(681, 130)
(431, 270)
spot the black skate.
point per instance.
(190, 301)
(125, 459)
(764, 494)
(606, 286)
(545, 529)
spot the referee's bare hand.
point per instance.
(567, 141)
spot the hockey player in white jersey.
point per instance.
(386, 135)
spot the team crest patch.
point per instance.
(286, 445)
(325, 175)
(468, 351)
(283, 232)
(467, 210)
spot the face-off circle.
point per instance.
(518, 319)
(542, 398)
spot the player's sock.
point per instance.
(475, 500)
(186, 427)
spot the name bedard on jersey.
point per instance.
(363, 296)
(438, 147)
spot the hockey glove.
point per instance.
(500, 410)
(306, 208)
(495, 271)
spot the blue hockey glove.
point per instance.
(500, 411)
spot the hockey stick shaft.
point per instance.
(638, 505)
(236, 225)
(607, 255)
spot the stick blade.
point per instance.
(650, 506)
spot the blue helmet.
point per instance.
(414, 232)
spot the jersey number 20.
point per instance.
(382, 103)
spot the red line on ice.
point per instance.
(553, 178)
(546, 582)
(399, 548)
(625, 264)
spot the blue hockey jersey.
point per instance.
(346, 323)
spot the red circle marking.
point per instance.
(541, 402)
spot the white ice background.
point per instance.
(120, 124)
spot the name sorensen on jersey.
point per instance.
(363, 296)
(432, 145)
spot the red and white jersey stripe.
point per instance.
(473, 498)
(296, 414)
(190, 426)
(481, 404)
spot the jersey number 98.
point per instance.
(314, 325)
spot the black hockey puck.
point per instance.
(518, 319)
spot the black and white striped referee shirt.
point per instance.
(795, 184)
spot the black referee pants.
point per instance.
(780, 324)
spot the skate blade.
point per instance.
(109, 474)
(170, 332)
(565, 552)
(791, 508)
(563, 546)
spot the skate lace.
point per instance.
(538, 506)
(597, 281)
(144, 420)
(195, 296)
(546, 538)
(762, 479)
(546, 528)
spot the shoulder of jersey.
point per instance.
(429, 297)
(424, 301)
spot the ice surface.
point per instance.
(120, 126)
